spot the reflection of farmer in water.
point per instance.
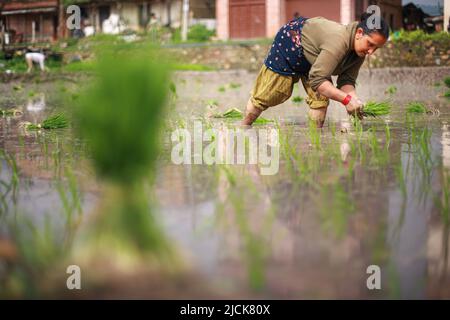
(312, 50)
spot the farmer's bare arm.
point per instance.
(349, 89)
(328, 90)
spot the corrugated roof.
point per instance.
(24, 5)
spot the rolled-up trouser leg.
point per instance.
(318, 103)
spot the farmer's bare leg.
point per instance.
(251, 113)
(29, 64)
(318, 104)
(318, 115)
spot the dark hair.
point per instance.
(368, 29)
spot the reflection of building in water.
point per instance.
(438, 241)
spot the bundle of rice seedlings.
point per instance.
(235, 113)
(232, 114)
(376, 109)
(57, 121)
(416, 107)
(10, 112)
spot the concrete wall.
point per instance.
(222, 9)
(330, 9)
(274, 15)
(347, 11)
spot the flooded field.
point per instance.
(342, 199)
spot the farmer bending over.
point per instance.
(313, 50)
(35, 57)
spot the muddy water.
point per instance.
(363, 198)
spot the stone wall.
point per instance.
(251, 56)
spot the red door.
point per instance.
(329, 9)
(247, 19)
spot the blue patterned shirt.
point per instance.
(286, 54)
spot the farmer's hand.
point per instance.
(355, 107)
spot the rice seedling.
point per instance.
(11, 186)
(376, 109)
(173, 91)
(297, 99)
(443, 199)
(423, 161)
(401, 179)
(235, 114)
(233, 85)
(10, 112)
(391, 90)
(333, 128)
(221, 89)
(314, 134)
(39, 249)
(254, 243)
(380, 154)
(70, 196)
(336, 210)
(58, 121)
(416, 107)
(387, 131)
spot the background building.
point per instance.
(263, 18)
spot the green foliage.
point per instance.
(196, 33)
(199, 33)
(418, 36)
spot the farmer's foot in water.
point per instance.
(251, 114)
